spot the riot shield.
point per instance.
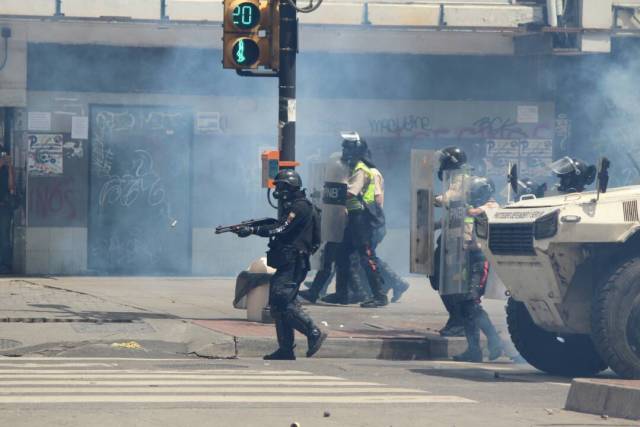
(334, 199)
(422, 223)
(453, 266)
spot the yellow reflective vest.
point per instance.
(368, 194)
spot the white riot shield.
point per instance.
(334, 199)
(422, 223)
(315, 184)
(453, 274)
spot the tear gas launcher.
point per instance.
(249, 223)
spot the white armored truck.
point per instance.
(571, 265)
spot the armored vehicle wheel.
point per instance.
(569, 356)
(615, 320)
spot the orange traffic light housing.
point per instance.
(251, 34)
(271, 165)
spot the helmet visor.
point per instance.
(350, 136)
(563, 166)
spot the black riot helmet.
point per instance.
(481, 190)
(287, 183)
(529, 186)
(574, 174)
(451, 158)
(354, 148)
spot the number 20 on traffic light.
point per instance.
(251, 34)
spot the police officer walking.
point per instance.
(359, 232)
(390, 278)
(290, 244)
(450, 159)
(476, 271)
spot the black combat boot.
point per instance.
(281, 354)
(336, 299)
(309, 295)
(314, 341)
(284, 332)
(301, 321)
(375, 302)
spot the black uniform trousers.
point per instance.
(453, 302)
(358, 243)
(475, 317)
(285, 310)
(325, 274)
(6, 215)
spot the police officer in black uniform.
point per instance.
(574, 174)
(450, 158)
(290, 241)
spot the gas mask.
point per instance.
(282, 192)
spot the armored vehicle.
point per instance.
(571, 266)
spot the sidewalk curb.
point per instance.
(428, 348)
(617, 399)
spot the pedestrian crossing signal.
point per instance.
(251, 34)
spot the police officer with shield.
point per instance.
(452, 161)
(361, 220)
(290, 244)
(475, 274)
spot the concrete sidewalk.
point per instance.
(72, 315)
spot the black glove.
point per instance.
(244, 231)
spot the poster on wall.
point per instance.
(45, 154)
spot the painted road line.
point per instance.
(56, 365)
(152, 383)
(93, 359)
(182, 388)
(244, 399)
(214, 372)
(116, 375)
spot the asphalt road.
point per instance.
(116, 391)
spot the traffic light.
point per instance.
(251, 34)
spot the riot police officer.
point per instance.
(476, 271)
(290, 244)
(450, 158)
(362, 220)
(574, 174)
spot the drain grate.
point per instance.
(8, 344)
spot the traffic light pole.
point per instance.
(287, 81)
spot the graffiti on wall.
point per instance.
(45, 154)
(531, 155)
(53, 198)
(415, 126)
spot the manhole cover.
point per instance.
(7, 344)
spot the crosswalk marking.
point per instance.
(83, 376)
(37, 383)
(233, 399)
(198, 390)
(146, 371)
(152, 383)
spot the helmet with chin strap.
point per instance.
(451, 158)
(354, 148)
(481, 190)
(287, 183)
(574, 174)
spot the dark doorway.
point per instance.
(140, 190)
